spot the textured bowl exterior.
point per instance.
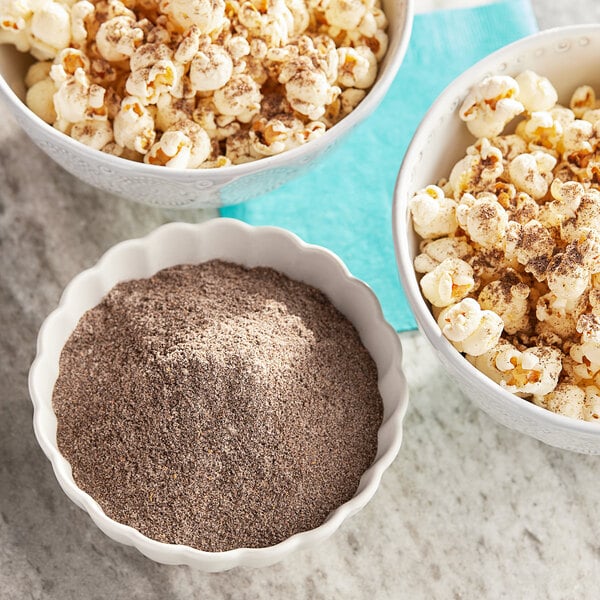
(231, 240)
(569, 57)
(199, 188)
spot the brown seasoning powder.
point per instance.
(217, 406)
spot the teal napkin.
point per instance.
(345, 203)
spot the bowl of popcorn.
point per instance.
(497, 232)
(218, 395)
(185, 104)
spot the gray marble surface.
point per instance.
(468, 510)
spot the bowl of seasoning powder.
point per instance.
(218, 395)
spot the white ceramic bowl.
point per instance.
(179, 188)
(569, 57)
(250, 246)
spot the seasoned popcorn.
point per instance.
(471, 329)
(490, 105)
(433, 214)
(259, 77)
(510, 250)
(448, 283)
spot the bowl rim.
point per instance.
(401, 221)
(243, 556)
(301, 154)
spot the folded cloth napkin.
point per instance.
(345, 202)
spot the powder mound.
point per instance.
(217, 406)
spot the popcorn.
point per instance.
(470, 329)
(567, 276)
(477, 170)
(490, 105)
(239, 98)
(591, 405)
(134, 126)
(532, 173)
(259, 77)
(433, 214)
(536, 93)
(211, 68)
(50, 29)
(483, 219)
(80, 11)
(184, 146)
(508, 298)
(449, 282)
(531, 245)
(95, 134)
(510, 255)
(207, 15)
(77, 99)
(170, 110)
(436, 251)
(345, 14)
(577, 137)
(274, 26)
(567, 400)
(40, 99)
(307, 88)
(118, 38)
(273, 136)
(37, 72)
(153, 73)
(583, 99)
(357, 67)
(541, 131)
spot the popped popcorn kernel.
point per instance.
(508, 298)
(532, 173)
(40, 99)
(448, 283)
(184, 146)
(533, 371)
(433, 214)
(583, 99)
(490, 105)
(357, 67)
(483, 219)
(37, 72)
(433, 252)
(471, 329)
(206, 15)
(211, 68)
(240, 97)
(522, 211)
(118, 38)
(307, 87)
(536, 93)
(479, 169)
(591, 405)
(134, 126)
(95, 134)
(50, 29)
(567, 400)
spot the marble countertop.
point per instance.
(469, 509)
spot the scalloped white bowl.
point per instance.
(233, 241)
(198, 188)
(568, 56)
